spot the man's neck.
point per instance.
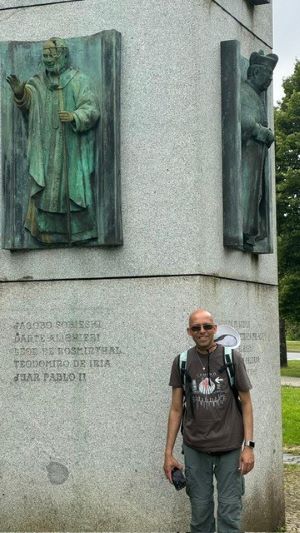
(211, 349)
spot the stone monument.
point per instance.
(89, 331)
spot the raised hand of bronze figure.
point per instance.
(16, 86)
(66, 116)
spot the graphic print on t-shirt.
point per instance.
(208, 392)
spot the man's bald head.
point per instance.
(202, 329)
(201, 315)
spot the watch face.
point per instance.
(250, 443)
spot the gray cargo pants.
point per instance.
(199, 470)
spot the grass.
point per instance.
(293, 346)
(291, 468)
(292, 370)
(291, 416)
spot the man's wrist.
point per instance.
(168, 452)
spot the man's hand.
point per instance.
(16, 86)
(66, 116)
(169, 464)
(246, 460)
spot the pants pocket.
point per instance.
(189, 482)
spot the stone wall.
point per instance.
(88, 335)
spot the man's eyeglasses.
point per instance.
(206, 327)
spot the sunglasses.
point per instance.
(206, 327)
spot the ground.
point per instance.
(292, 492)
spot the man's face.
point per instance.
(262, 77)
(203, 338)
(53, 57)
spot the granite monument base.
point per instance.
(84, 388)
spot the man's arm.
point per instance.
(247, 455)
(175, 416)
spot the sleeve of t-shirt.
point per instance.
(242, 380)
(175, 378)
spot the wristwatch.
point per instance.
(249, 443)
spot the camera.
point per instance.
(178, 479)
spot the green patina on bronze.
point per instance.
(246, 140)
(62, 132)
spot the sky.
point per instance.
(286, 41)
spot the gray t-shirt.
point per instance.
(212, 421)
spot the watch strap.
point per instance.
(249, 443)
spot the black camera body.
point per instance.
(178, 479)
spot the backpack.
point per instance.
(228, 366)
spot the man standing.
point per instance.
(217, 439)
(61, 110)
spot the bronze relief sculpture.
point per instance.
(62, 111)
(257, 138)
(68, 128)
(247, 137)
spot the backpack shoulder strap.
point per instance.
(182, 367)
(229, 364)
(228, 361)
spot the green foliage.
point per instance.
(289, 295)
(293, 332)
(287, 149)
(292, 370)
(291, 415)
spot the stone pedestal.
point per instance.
(85, 367)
